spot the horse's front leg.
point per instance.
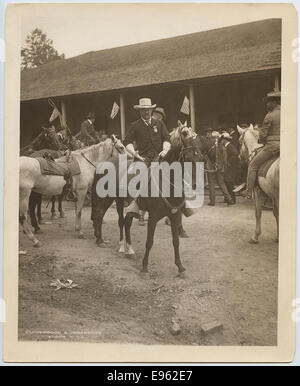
(152, 221)
(60, 209)
(23, 207)
(128, 247)
(258, 213)
(175, 220)
(33, 201)
(276, 215)
(80, 194)
(181, 231)
(53, 214)
(121, 223)
(39, 208)
(99, 208)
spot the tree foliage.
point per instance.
(38, 50)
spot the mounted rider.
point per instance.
(269, 135)
(151, 137)
(88, 134)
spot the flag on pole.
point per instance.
(54, 115)
(185, 108)
(115, 110)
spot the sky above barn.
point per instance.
(79, 29)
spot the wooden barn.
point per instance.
(224, 73)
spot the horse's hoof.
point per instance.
(144, 273)
(182, 274)
(54, 217)
(183, 235)
(129, 250)
(38, 231)
(122, 248)
(81, 236)
(253, 241)
(38, 244)
(102, 244)
(62, 215)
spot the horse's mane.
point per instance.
(256, 134)
(96, 153)
(176, 143)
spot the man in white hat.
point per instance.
(151, 137)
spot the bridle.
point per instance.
(253, 153)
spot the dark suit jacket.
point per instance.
(149, 139)
(87, 130)
(232, 163)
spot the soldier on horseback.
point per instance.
(151, 137)
(269, 135)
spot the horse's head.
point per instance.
(51, 138)
(186, 146)
(248, 141)
(117, 143)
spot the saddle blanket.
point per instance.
(263, 170)
(61, 167)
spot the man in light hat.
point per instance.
(150, 134)
(269, 135)
(88, 135)
(151, 138)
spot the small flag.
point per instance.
(185, 108)
(115, 110)
(54, 115)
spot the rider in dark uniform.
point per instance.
(151, 138)
(269, 135)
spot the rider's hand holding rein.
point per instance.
(165, 150)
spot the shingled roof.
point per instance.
(237, 49)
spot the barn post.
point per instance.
(64, 112)
(122, 115)
(192, 107)
(276, 82)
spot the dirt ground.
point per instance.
(228, 282)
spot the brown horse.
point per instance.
(266, 186)
(185, 147)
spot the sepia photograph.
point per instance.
(153, 146)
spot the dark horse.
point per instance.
(185, 147)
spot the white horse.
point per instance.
(268, 185)
(31, 179)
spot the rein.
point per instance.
(253, 153)
(90, 162)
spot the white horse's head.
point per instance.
(248, 140)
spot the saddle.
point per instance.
(64, 166)
(263, 170)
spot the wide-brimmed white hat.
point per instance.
(226, 135)
(215, 134)
(144, 103)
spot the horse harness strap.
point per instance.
(90, 162)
